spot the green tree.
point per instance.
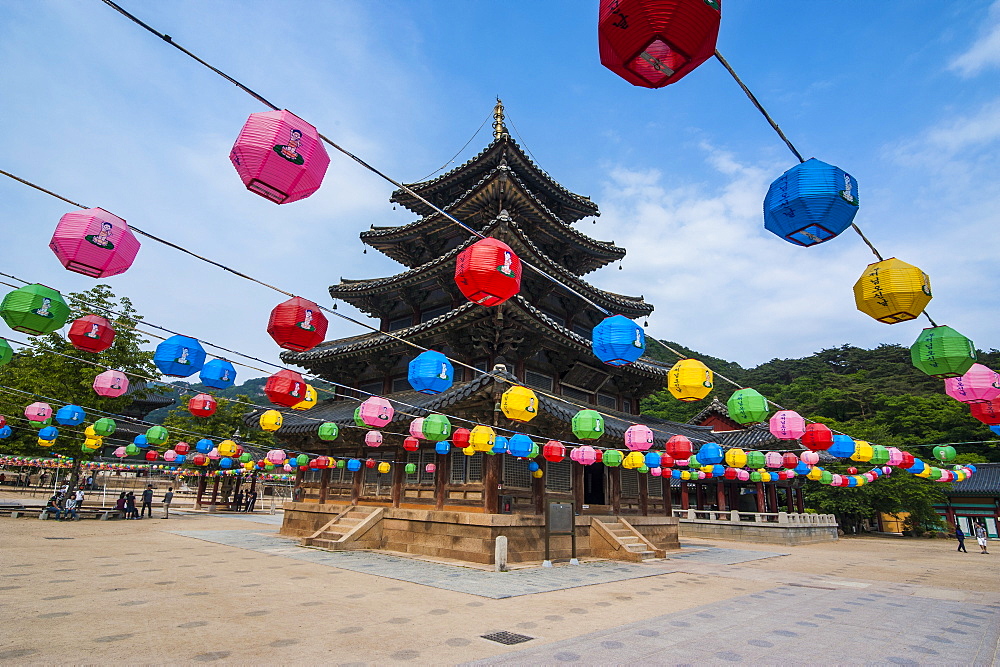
(227, 422)
(40, 372)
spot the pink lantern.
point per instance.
(95, 243)
(679, 463)
(638, 438)
(276, 456)
(772, 459)
(809, 458)
(743, 475)
(214, 454)
(120, 453)
(169, 455)
(373, 438)
(838, 480)
(376, 411)
(895, 456)
(791, 474)
(701, 475)
(655, 472)
(280, 156)
(38, 411)
(787, 425)
(286, 468)
(979, 385)
(431, 467)
(111, 384)
(870, 476)
(585, 455)
(417, 428)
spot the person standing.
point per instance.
(238, 501)
(981, 537)
(130, 511)
(168, 498)
(251, 500)
(147, 501)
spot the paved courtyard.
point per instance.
(207, 588)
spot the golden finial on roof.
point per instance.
(499, 129)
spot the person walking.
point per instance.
(147, 501)
(981, 537)
(251, 500)
(960, 536)
(168, 498)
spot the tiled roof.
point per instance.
(716, 407)
(985, 482)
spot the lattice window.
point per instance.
(515, 473)
(459, 464)
(475, 469)
(426, 456)
(400, 384)
(538, 380)
(607, 401)
(630, 482)
(370, 388)
(575, 394)
(557, 476)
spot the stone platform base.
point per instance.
(470, 536)
(760, 533)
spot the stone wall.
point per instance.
(759, 532)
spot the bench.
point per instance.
(88, 513)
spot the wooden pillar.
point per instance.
(324, 485)
(578, 490)
(215, 493)
(615, 487)
(202, 483)
(734, 496)
(801, 501)
(356, 482)
(398, 477)
(668, 503)
(685, 498)
(772, 496)
(760, 496)
(441, 475)
(700, 496)
(538, 490)
(491, 483)
(298, 491)
(643, 494)
(720, 495)
(789, 499)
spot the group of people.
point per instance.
(65, 505)
(244, 503)
(126, 503)
(980, 531)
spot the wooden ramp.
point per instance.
(357, 527)
(616, 539)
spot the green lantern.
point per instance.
(34, 309)
(747, 406)
(643, 468)
(86, 450)
(942, 352)
(302, 460)
(132, 450)
(826, 477)
(245, 458)
(693, 461)
(38, 425)
(269, 466)
(6, 352)
(755, 476)
(935, 474)
(357, 418)
(755, 460)
(341, 463)
(411, 468)
(535, 451)
(880, 455)
(156, 435)
(588, 425)
(106, 426)
(612, 458)
(437, 428)
(329, 431)
(944, 453)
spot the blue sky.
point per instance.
(905, 96)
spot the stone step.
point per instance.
(637, 548)
(323, 544)
(629, 539)
(331, 535)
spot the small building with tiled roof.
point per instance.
(975, 500)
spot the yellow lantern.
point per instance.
(537, 474)
(308, 401)
(93, 442)
(482, 438)
(862, 451)
(892, 291)
(815, 474)
(765, 476)
(519, 403)
(861, 481)
(926, 472)
(736, 458)
(271, 420)
(248, 466)
(90, 432)
(689, 380)
(228, 447)
(469, 451)
(685, 475)
(707, 469)
(634, 460)
(44, 443)
(383, 467)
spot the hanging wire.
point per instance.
(460, 150)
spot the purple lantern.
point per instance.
(95, 243)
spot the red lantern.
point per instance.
(852, 471)
(3, 421)
(488, 272)
(600, 456)
(731, 473)
(652, 43)
(199, 459)
(666, 461)
(554, 451)
(817, 437)
(152, 455)
(91, 333)
(297, 324)
(988, 412)
(285, 388)
(459, 438)
(370, 463)
(679, 447)
(789, 460)
(321, 462)
(411, 444)
(907, 461)
(202, 405)
(315, 464)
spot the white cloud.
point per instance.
(985, 51)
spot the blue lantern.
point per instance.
(5, 432)
(354, 465)
(293, 461)
(718, 470)
(532, 467)
(710, 454)
(676, 474)
(179, 356)
(843, 446)
(500, 445)
(802, 468)
(204, 446)
(225, 462)
(810, 203)
(877, 471)
(430, 373)
(70, 415)
(48, 433)
(995, 428)
(181, 458)
(442, 447)
(140, 441)
(520, 445)
(218, 374)
(618, 341)
(970, 466)
(918, 466)
(652, 459)
(852, 481)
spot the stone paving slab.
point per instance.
(495, 585)
(770, 627)
(719, 556)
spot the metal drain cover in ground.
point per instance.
(507, 638)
